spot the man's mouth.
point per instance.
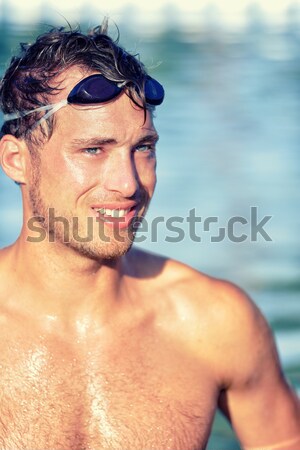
(116, 217)
(113, 212)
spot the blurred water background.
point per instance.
(230, 135)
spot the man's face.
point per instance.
(96, 172)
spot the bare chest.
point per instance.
(126, 400)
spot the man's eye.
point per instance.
(92, 151)
(145, 147)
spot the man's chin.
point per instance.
(100, 251)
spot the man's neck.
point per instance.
(56, 282)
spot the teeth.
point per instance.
(113, 212)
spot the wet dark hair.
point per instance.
(29, 80)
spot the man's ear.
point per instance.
(13, 158)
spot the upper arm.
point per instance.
(258, 401)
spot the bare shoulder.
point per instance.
(216, 317)
(188, 285)
(9, 278)
(3, 251)
(5, 260)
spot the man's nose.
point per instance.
(121, 175)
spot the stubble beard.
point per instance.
(90, 241)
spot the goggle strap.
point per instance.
(50, 108)
(54, 107)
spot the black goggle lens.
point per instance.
(93, 89)
(98, 89)
(154, 92)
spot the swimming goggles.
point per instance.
(93, 90)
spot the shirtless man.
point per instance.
(102, 347)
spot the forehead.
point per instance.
(120, 117)
(66, 80)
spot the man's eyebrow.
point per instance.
(93, 142)
(98, 142)
(153, 137)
